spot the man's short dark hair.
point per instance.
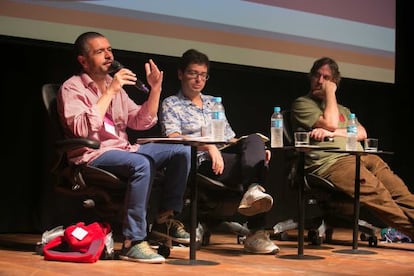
(81, 45)
(193, 56)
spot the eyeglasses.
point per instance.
(194, 74)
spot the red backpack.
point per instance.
(80, 243)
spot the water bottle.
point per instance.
(276, 128)
(217, 120)
(351, 133)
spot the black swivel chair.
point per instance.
(336, 208)
(217, 209)
(94, 187)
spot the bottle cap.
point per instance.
(217, 99)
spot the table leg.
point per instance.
(357, 187)
(301, 213)
(301, 205)
(193, 206)
(193, 215)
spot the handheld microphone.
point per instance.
(116, 66)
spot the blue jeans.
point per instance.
(139, 168)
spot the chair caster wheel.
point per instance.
(202, 235)
(372, 241)
(328, 235)
(314, 238)
(164, 250)
(284, 236)
(206, 239)
(240, 239)
(363, 237)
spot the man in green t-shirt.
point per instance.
(383, 192)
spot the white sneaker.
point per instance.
(260, 243)
(255, 201)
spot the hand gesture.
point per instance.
(154, 76)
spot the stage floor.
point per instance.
(18, 257)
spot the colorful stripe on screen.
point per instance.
(285, 35)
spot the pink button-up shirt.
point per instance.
(80, 118)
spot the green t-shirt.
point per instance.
(305, 113)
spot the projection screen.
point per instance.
(278, 34)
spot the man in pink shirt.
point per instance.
(93, 105)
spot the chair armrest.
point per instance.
(320, 182)
(65, 145)
(74, 143)
(312, 155)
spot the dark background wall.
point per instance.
(27, 203)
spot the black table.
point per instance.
(194, 143)
(357, 183)
(301, 203)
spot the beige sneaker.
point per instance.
(260, 243)
(255, 201)
(141, 252)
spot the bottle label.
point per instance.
(277, 123)
(217, 115)
(351, 129)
